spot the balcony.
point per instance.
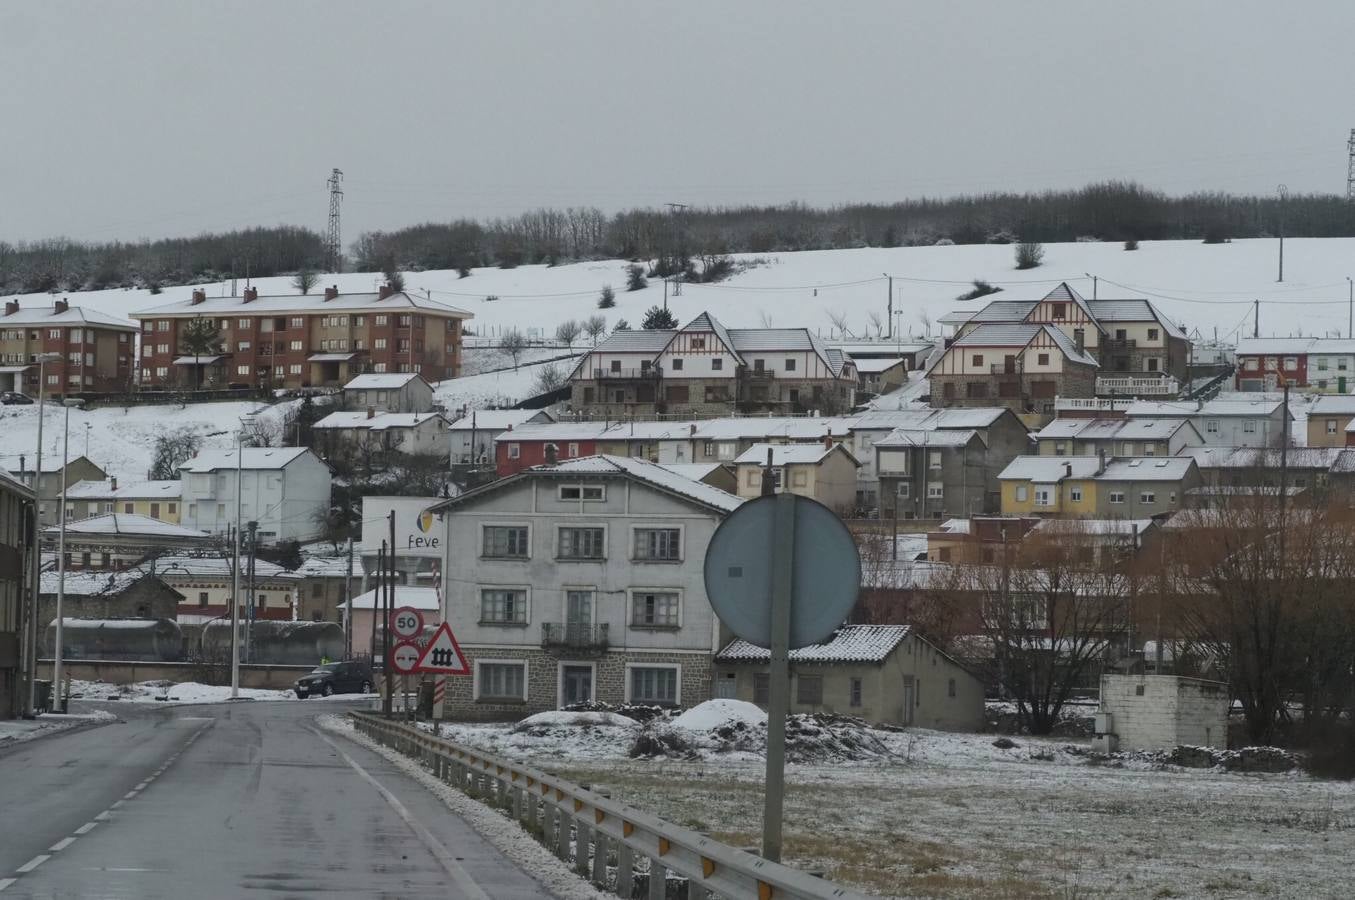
(1138, 385)
(760, 374)
(573, 636)
(1003, 369)
(1121, 344)
(627, 374)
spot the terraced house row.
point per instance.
(84, 351)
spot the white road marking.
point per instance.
(34, 862)
(130, 794)
(61, 844)
(142, 785)
(117, 804)
(103, 816)
(6, 882)
(449, 864)
(87, 828)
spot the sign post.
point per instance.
(443, 655)
(778, 675)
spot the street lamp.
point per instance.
(1350, 324)
(245, 421)
(1283, 192)
(61, 549)
(30, 707)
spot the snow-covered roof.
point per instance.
(1049, 469)
(330, 567)
(694, 471)
(1097, 527)
(197, 360)
(904, 437)
(1333, 405)
(104, 489)
(254, 458)
(1107, 429)
(1274, 346)
(51, 463)
(331, 357)
(1216, 408)
(302, 303)
(789, 454)
(555, 431)
(892, 349)
(604, 465)
(74, 316)
(9, 482)
(875, 365)
(1135, 310)
(128, 525)
(218, 566)
(91, 582)
(789, 427)
(849, 644)
(1322, 458)
(1000, 311)
(382, 381)
(496, 419)
(956, 317)
(1020, 335)
(1146, 468)
(405, 595)
(383, 421)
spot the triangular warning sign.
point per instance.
(443, 655)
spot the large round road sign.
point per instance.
(405, 657)
(826, 572)
(406, 622)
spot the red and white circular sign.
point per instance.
(405, 657)
(406, 622)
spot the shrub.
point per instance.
(607, 299)
(1029, 254)
(1216, 233)
(981, 289)
(635, 278)
(463, 271)
(1131, 244)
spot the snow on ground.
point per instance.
(952, 815)
(494, 825)
(1188, 279)
(15, 731)
(121, 440)
(714, 713)
(184, 692)
(494, 389)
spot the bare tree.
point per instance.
(262, 431)
(839, 319)
(926, 322)
(595, 327)
(513, 343)
(876, 322)
(567, 332)
(172, 449)
(548, 378)
(1029, 254)
(765, 318)
(304, 280)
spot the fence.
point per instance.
(561, 814)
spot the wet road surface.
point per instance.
(242, 800)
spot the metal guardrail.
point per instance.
(556, 811)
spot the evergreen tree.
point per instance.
(200, 337)
(607, 299)
(658, 319)
(635, 278)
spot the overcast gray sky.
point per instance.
(125, 119)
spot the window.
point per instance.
(1152, 336)
(935, 490)
(762, 688)
(654, 609)
(402, 322)
(505, 541)
(379, 344)
(1075, 494)
(583, 492)
(1211, 426)
(809, 690)
(294, 369)
(1322, 363)
(1250, 365)
(296, 345)
(759, 365)
(76, 336)
(790, 365)
(658, 544)
(148, 351)
(1117, 496)
(1291, 363)
(677, 365)
(242, 323)
(163, 325)
(1331, 426)
(514, 451)
(698, 342)
(1021, 493)
(1060, 310)
(242, 370)
(503, 606)
(854, 692)
(1043, 496)
(147, 326)
(950, 688)
(717, 364)
(1249, 426)
(654, 684)
(976, 390)
(1042, 359)
(572, 449)
(202, 597)
(1147, 497)
(977, 359)
(616, 365)
(582, 543)
(934, 459)
(380, 320)
(501, 681)
(160, 372)
(1151, 363)
(1060, 449)
(242, 346)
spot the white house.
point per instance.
(1226, 422)
(394, 392)
(284, 489)
(472, 436)
(385, 432)
(581, 581)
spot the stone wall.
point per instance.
(1159, 712)
(148, 598)
(543, 687)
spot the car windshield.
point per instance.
(326, 668)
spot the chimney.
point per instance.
(1067, 470)
(386, 291)
(198, 297)
(331, 292)
(828, 442)
(11, 307)
(691, 429)
(251, 294)
(371, 412)
(114, 482)
(60, 307)
(1100, 460)
(552, 454)
(1079, 339)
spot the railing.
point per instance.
(566, 816)
(1121, 343)
(650, 372)
(1091, 404)
(1146, 385)
(760, 374)
(1002, 369)
(574, 635)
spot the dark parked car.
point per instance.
(13, 398)
(335, 678)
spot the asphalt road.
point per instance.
(242, 800)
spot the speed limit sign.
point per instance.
(406, 622)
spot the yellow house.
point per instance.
(1097, 486)
(1328, 418)
(1048, 485)
(153, 499)
(825, 472)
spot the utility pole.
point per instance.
(889, 307)
(1256, 319)
(30, 707)
(249, 624)
(1095, 281)
(235, 587)
(332, 242)
(1350, 166)
(61, 560)
(1350, 323)
(1283, 191)
(348, 605)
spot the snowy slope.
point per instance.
(1200, 286)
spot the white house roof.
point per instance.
(1147, 468)
(303, 303)
(789, 427)
(849, 644)
(495, 419)
(1266, 457)
(91, 582)
(104, 489)
(1098, 527)
(74, 316)
(1049, 469)
(381, 381)
(126, 524)
(789, 454)
(555, 431)
(694, 471)
(378, 422)
(1210, 408)
(51, 463)
(1333, 405)
(875, 365)
(1107, 429)
(215, 567)
(405, 595)
(197, 360)
(1273, 346)
(330, 567)
(254, 458)
(903, 437)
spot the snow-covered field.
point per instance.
(1202, 286)
(952, 815)
(185, 692)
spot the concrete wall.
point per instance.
(251, 676)
(1159, 712)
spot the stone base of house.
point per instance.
(543, 687)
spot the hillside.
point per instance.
(1201, 286)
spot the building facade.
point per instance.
(299, 341)
(825, 472)
(587, 585)
(472, 435)
(370, 433)
(284, 489)
(153, 499)
(1097, 487)
(94, 353)
(1322, 365)
(17, 529)
(392, 392)
(48, 486)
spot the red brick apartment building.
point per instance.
(96, 350)
(302, 340)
